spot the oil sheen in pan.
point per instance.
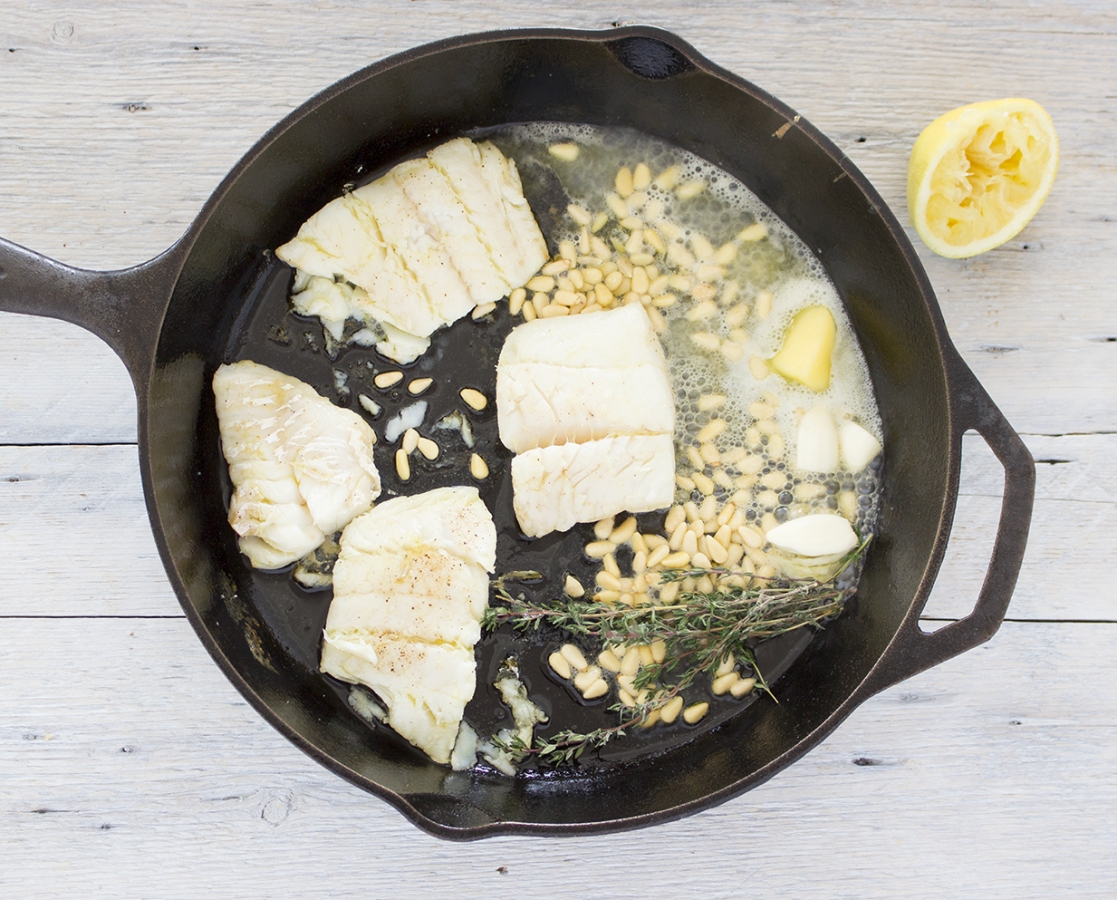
(465, 355)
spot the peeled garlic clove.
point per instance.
(817, 449)
(820, 534)
(859, 447)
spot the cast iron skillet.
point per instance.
(174, 319)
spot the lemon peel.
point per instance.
(978, 174)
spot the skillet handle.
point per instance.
(124, 308)
(913, 650)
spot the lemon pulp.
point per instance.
(979, 173)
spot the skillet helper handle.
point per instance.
(124, 308)
(914, 650)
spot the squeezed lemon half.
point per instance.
(979, 173)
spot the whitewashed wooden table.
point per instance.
(129, 767)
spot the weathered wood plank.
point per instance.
(88, 502)
(123, 744)
(158, 134)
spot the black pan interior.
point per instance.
(231, 295)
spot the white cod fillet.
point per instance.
(301, 467)
(586, 402)
(554, 488)
(428, 241)
(410, 588)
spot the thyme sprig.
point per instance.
(700, 630)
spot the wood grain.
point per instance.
(952, 784)
(130, 767)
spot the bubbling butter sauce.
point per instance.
(745, 295)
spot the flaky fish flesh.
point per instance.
(301, 467)
(410, 588)
(422, 245)
(586, 404)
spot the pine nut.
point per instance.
(579, 214)
(556, 266)
(687, 484)
(702, 561)
(541, 283)
(676, 560)
(705, 310)
(658, 555)
(516, 301)
(721, 477)
(573, 655)
(529, 312)
(670, 710)
(759, 368)
(702, 248)
(702, 292)
(708, 402)
(599, 222)
(694, 713)
(639, 545)
(603, 528)
(599, 688)
(599, 549)
(724, 683)
(708, 510)
(669, 592)
(675, 515)
(733, 555)
(729, 664)
(729, 292)
(776, 447)
(711, 430)
(410, 440)
(732, 351)
(573, 587)
(567, 152)
(766, 572)
(481, 310)
(757, 231)
(567, 250)
(641, 177)
(560, 666)
(610, 563)
(553, 310)
(539, 301)
(716, 551)
(586, 677)
(764, 304)
(742, 686)
(668, 178)
(623, 533)
(658, 650)
(703, 483)
(623, 181)
(737, 315)
(708, 272)
(607, 596)
(695, 457)
(626, 698)
(725, 254)
(428, 448)
(677, 536)
(653, 240)
(608, 581)
(705, 340)
(690, 190)
(403, 466)
(386, 380)
(646, 658)
(692, 514)
(608, 660)
(478, 468)
(630, 663)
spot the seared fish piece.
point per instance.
(427, 242)
(586, 402)
(410, 588)
(554, 488)
(301, 467)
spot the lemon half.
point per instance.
(979, 173)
